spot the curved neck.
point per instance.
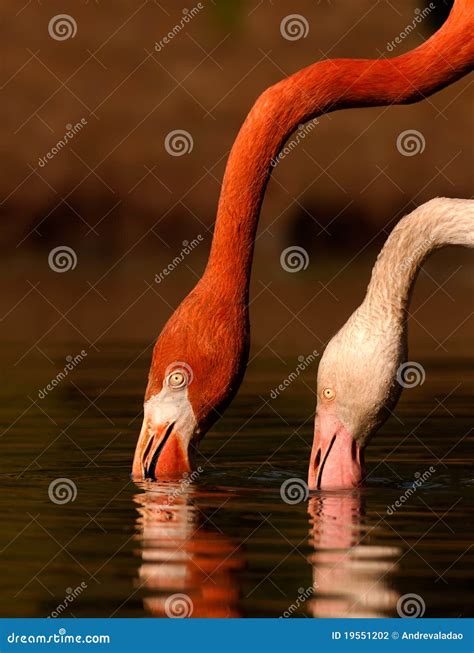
(320, 88)
(433, 225)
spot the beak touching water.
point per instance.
(336, 458)
(165, 446)
(160, 453)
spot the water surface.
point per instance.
(225, 540)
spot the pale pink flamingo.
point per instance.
(200, 356)
(359, 372)
(351, 573)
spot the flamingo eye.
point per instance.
(328, 394)
(177, 380)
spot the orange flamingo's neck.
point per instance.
(320, 88)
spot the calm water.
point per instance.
(227, 541)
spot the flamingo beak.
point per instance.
(336, 458)
(161, 453)
(165, 447)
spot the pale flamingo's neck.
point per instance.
(435, 224)
(320, 88)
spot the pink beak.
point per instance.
(160, 454)
(336, 459)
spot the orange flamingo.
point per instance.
(200, 356)
(188, 568)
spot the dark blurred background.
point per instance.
(124, 205)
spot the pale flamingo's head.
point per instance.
(197, 366)
(356, 390)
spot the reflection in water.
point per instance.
(184, 555)
(349, 576)
(251, 509)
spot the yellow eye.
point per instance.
(178, 375)
(328, 394)
(177, 380)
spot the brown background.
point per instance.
(125, 205)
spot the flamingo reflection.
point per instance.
(350, 576)
(188, 566)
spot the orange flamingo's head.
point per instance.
(357, 388)
(197, 367)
